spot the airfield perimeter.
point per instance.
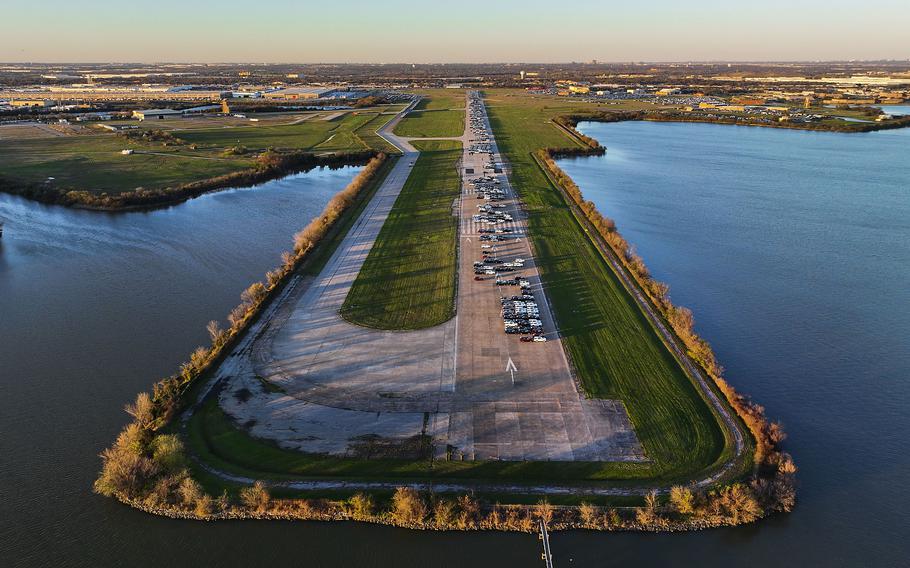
(310, 381)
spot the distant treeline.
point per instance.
(269, 165)
(671, 116)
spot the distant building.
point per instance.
(299, 93)
(42, 103)
(156, 113)
(579, 89)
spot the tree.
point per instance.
(407, 506)
(215, 332)
(588, 514)
(255, 497)
(190, 491)
(443, 513)
(224, 501)
(361, 506)
(205, 506)
(143, 410)
(544, 511)
(254, 294)
(740, 504)
(682, 499)
(199, 357)
(469, 512)
(647, 515)
(125, 470)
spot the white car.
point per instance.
(539, 339)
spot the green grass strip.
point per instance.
(408, 279)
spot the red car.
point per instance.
(526, 338)
(478, 278)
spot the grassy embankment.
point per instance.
(408, 279)
(93, 162)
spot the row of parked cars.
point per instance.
(520, 315)
(482, 142)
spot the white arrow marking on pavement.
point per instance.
(511, 368)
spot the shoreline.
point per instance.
(287, 164)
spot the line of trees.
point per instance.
(676, 116)
(269, 165)
(178, 495)
(144, 464)
(773, 478)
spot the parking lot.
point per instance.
(503, 315)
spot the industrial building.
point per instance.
(43, 103)
(299, 93)
(156, 113)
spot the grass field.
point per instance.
(432, 123)
(93, 162)
(614, 348)
(441, 99)
(408, 279)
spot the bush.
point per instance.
(408, 507)
(167, 453)
(682, 500)
(255, 497)
(361, 506)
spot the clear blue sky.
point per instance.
(452, 31)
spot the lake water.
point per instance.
(793, 249)
(903, 110)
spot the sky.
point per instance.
(467, 31)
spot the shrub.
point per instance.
(143, 410)
(443, 514)
(469, 512)
(167, 452)
(408, 507)
(190, 491)
(255, 497)
(205, 506)
(682, 500)
(361, 506)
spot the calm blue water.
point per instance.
(896, 109)
(793, 250)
